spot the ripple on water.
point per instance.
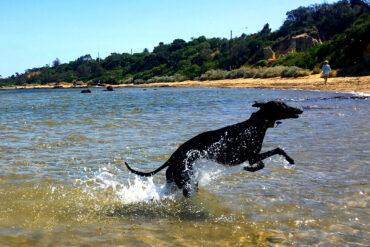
(63, 179)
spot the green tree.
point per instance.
(56, 63)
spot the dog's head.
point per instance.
(276, 110)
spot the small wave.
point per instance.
(361, 94)
(351, 95)
(49, 123)
(316, 107)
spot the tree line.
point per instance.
(343, 27)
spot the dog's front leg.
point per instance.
(259, 157)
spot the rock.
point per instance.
(109, 88)
(304, 41)
(296, 43)
(86, 91)
(268, 53)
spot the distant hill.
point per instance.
(337, 32)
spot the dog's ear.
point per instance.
(258, 104)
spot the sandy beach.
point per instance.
(312, 82)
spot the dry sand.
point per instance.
(312, 82)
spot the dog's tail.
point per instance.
(146, 174)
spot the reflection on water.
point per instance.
(63, 182)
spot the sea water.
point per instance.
(63, 181)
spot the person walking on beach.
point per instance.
(325, 70)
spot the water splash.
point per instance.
(206, 171)
(137, 189)
(108, 180)
(143, 190)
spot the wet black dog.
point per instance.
(231, 145)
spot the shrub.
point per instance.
(172, 78)
(179, 77)
(128, 80)
(262, 63)
(250, 72)
(236, 73)
(139, 81)
(157, 79)
(294, 71)
(243, 72)
(258, 74)
(214, 75)
(272, 72)
(306, 59)
(333, 73)
(316, 70)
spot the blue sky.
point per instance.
(36, 32)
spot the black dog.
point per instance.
(231, 145)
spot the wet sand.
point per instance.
(312, 82)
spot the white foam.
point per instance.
(361, 94)
(140, 189)
(126, 191)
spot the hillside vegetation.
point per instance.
(337, 32)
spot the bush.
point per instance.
(214, 75)
(306, 59)
(333, 73)
(236, 73)
(258, 74)
(272, 72)
(179, 77)
(139, 81)
(250, 72)
(316, 70)
(243, 72)
(156, 79)
(294, 71)
(262, 63)
(128, 80)
(172, 78)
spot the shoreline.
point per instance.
(311, 82)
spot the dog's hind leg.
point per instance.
(189, 185)
(189, 188)
(186, 180)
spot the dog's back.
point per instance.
(230, 145)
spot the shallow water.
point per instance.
(63, 180)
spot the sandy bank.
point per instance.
(312, 82)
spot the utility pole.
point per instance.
(231, 38)
(131, 51)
